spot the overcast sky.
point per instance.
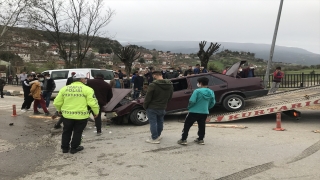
(248, 21)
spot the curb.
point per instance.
(12, 92)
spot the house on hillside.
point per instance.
(24, 56)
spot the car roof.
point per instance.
(194, 75)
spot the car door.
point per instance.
(216, 84)
(181, 94)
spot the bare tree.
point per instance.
(72, 24)
(11, 14)
(128, 55)
(205, 55)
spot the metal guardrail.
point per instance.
(295, 80)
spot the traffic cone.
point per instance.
(278, 127)
(14, 111)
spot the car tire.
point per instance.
(139, 117)
(233, 102)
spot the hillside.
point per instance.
(281, 54)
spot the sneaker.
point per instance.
(75, 150)
(65, 150)
(37, 112)
(2, 97)
(99, 133)
(150, 140)
(23, 110)
(47, 114)
(159, 138)
(57, 126)
(199, 141)
(182, 142)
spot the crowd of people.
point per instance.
(82, 96)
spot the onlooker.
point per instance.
(22, 77)
(138, 85)
(116, 82)
(2, 84)
(48, 87)
(72, 103)
(10, 80)
(171, 74)
(202, 70)
(126, 82)
(200, 102)
(163, 72)
(240, 73)
(35, 91)
(70, 79)
(277, 78)
(158, 95)
(178, 70)
(210, 70)
(196, 69)
(134, 75)
(188, 71)
(148, 75)
(249, 72)
(120, 74)
(17, 79)
(225, 70)
(103, 92)
(26, 93)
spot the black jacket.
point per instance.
(186, 72)
(51, 85)
(26, 87)
(149, 77)
(102, 90)
(2, 83)
(138, 82)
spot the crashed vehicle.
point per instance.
(230, 92)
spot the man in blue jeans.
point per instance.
(48, 87)
(158, 95)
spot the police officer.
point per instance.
(72, 103)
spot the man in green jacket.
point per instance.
(158, 95)
(201, 100)
(72, 103)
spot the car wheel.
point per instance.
(139, 117)
(233, 102)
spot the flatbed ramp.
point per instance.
(270, 104)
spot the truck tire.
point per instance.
(139, 117)
(233, 102)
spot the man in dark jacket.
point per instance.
(158, 95)
(188, 71)
(120, 74)
(48, 87)
(26, 91)
(148, 75)
(171, 74)
(103, 92)
(2, 84)
(138, 85)
(70, 79)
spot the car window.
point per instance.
(217, 81)
(59, 75)
(194, 81)
(108, 75)
(180, 84)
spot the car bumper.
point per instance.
(256, 93)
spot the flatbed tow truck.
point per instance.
(285, 102)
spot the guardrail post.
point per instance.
(302, 80)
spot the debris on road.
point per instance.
(225, 126)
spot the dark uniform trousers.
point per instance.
(75, 126)
(27, 101)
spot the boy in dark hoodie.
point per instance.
(158, 95)
(201, 100)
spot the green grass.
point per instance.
(306, 71)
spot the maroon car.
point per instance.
(230, 92)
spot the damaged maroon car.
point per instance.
(230, 92)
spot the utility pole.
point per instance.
(266, 78)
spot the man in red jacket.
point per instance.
(277, 78)
(103, 93)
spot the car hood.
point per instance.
(118, 95)
(233, 70)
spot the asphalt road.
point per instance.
(29, 151)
